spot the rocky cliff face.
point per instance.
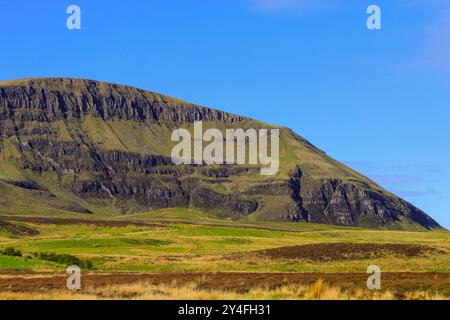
(45, 100)
(91, 146)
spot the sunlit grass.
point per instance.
(144, 291)
(188, 247)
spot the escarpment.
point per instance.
(84, 146)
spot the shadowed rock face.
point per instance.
(100, 146)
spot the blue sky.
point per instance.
(377, 100)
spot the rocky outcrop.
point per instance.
(340, 203)
(152, 182)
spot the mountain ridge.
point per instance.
(94, 146)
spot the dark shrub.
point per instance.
(64, 259)
(11, 252)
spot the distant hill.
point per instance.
(87, 147)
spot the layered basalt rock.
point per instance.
(46, 100)
(339, 203)
(43, 134)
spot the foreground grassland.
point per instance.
(145, 291)
(164, 242)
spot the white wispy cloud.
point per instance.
(376, 167)
(408, 181)
(436, 48)
(291, 5)
(391, 179)
(271, 5)
(417, 193)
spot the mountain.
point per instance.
(87, 147)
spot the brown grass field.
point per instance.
(225, 286)
(228, 286)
